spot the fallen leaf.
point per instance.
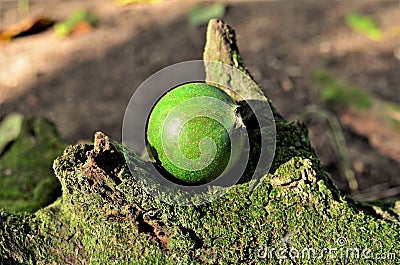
(79, 21)
(367, 115)
(365, 25)
(10, 129)
(201, 14)
(25, 27)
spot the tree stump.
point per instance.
(294, 215)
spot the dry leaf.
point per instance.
(25, 27)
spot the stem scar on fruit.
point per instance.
(194, 132)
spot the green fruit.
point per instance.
(194, 132)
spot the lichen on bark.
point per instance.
(104, 216)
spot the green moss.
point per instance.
(103, 217)
(27, 181)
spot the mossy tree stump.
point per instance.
(104, 217)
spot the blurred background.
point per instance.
(335, 65)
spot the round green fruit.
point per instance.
(194, 132)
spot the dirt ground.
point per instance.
(84, 83)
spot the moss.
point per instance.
(27, 181)
(292, 208)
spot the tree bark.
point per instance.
(294, 213)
